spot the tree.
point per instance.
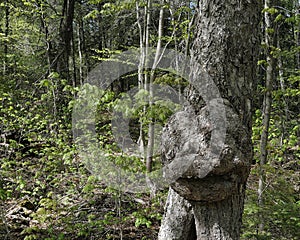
(267, 102)
(210, 206)
(66, 34)
(6, 32)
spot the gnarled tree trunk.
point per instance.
(209, 206)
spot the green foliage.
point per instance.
(138, 107)
(271, 10)
(146, 216)
(44, 184)
(281, 208)
(141, 219)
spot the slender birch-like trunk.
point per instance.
(150, 147)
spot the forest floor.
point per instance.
(47, 203)
(48, 194)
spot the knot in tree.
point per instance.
(211, 176)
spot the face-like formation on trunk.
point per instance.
(205, 173)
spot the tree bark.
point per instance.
(226, 46)
(150, 145)
(179, 223)
(6, 33)
(80, 50)
(66, 35)
(140, 74)
(297, 32)
(49, 50)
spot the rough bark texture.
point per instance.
(212, 191)
(179, 222)
(188, 134)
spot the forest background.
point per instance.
(47, 49)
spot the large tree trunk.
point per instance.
(226, 45)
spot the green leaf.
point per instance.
(45, 83)
(278, 18)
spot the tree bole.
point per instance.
(212, 191)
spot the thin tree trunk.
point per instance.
(48, 43)
(79, 36)
(140, 75)
(143, 67)
(226, 46)
(146, 42)
(285, 115)
(66, 34)
(141, 60)
(6, 33)
(49, 58)
(297, 32)
(73, 61)
(150, 147)
(267, 104)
